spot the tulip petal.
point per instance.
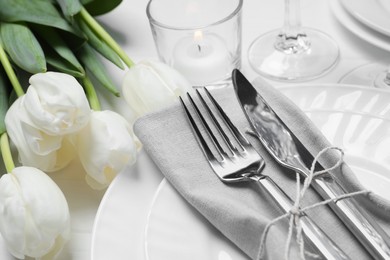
(106, 146)
(32, 219)
(56, 249)
(35, 147)
(12, 212)
(148, 86)
(56, 103)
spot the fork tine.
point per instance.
(242, 141)
(219, 148)
(201, 141)
(227, 140)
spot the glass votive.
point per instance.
(199, 38)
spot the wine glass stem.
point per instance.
(292, 21)
(292, 39)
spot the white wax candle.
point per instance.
(202, 58)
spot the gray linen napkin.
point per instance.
(241, 211)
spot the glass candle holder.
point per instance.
(199, 38)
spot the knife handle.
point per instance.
(312, 233)
(362, 225)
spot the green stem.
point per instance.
(6, 152)
(105, 36)
(91, 94)
(10, 73)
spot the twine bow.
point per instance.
(296, 211)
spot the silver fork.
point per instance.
(245, 164)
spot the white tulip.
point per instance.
(56, 103)
(148, 86)
(34, 214)
(106, 146)
(35, 147)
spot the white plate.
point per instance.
(353, 118)
(373, 13)
(121, 218)
(175, 231)
(365, 33)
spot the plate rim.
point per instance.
(360, 30)
(369, 21)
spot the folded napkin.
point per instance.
(241, 211)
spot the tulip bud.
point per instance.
(56, 103)
(106, 146)
(34, 214)
(35, 147)
(149, 86)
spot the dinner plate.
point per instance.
(356, 119)
(360, 30)
(373, 13)
(121, 217)
(119, 229)
(175, 230)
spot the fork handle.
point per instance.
(312, 233)
(362, 225)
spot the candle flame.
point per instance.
(198, 36)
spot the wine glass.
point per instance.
(293, 52)
(372, 74)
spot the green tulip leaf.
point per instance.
(4, 86)
(84, 2)
(70, 7)
(62, 65)
(74, 42)
(100, 45)
(63, 58)
(99, 7)
(91, 62)
(37, 11)
(22, 47)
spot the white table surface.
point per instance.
(128, 24)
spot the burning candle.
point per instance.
(202, 58)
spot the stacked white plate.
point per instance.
(367, 19)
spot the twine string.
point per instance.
(296, 211)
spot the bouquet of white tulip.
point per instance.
(53, 122)
(59, 116)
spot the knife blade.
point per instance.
(287, 150)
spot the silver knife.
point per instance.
(288, 151)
